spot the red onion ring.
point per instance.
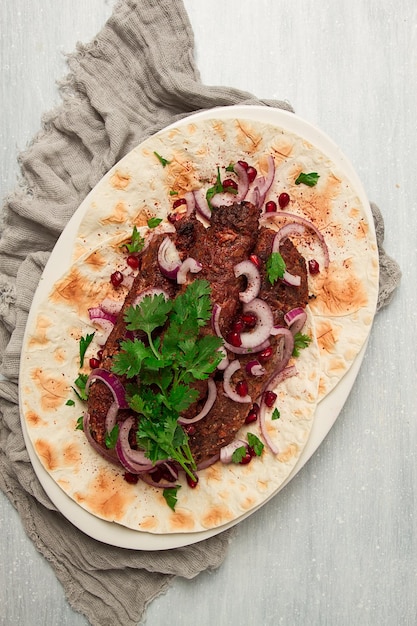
(201, 204)
(303, 222)
(248, 269)
(169, 259)
(254, 368)
(113, 307)
(223, 198)
(226, 452)
(97, 313)
(242, 182)
(109, 455)
(273, 382)
(111, 416)
(233, 367)
(208, 462)
(211, 398)
(152, 291)
(190, 200)
(215, 320)
(112, 382)
(134, 461)
(295, 319)
(188, 265)
(265, 322)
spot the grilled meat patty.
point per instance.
(232, 236)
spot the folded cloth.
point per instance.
(137, 76)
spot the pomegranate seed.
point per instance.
(266, 354)
(116, 279)
(133, 261)
(229, 183)
(175, 217)
(100, 355)
(132, 479)
(246, 459)
(252, 173)
(192, 483)
(242, 388)
(179, 202)
(255, 260)
(252, 416)
(270, 397)
(166, 475)
(270, 206)
(238, 325)
(313, 267)
(250, 320)
(189, 429)
(94, 363)
(234, 339)
(251, 451)
(244, 164)
(283, 200)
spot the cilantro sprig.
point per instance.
(84, 343)
(275, 267)
(310, 179)
(164, 368)
(301, 341)
(218, 187)
(136, 242)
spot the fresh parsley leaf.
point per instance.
(300, 342)
(149, 314)
(128, 362)
(275, 414)
(275, 267)
(84, 343)
(217, 188)
(153, 222)
(161, 159)
(80, 383)
(70, 403)
(230, 167)
(310, 179)
(255, 443)
(170, 495)
(238, 454)
(201, 357)
(173, 193)
(136, 242)
(111, 437)
(80, 423)
(181, 397)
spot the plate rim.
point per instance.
(327, 411)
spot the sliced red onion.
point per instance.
(109, 455)
(152, 291)
(291, 279)
(264, 182)
(233, 367)
(303, 222)
(112, 382)
(287, 348)
(113, 307)
(289, 230)
(106, 328)
(111, 416)
(226, 453)
(242, 182)
(201, 204)
(211, 398)
(190, 200)
(169, 259)
(134, 461)
(248, 269)
(188, 265)
(265, 322)
(225, 360)
(215, 320)
(272, 384)
(295, 319)
(128, 280)
(208, 462)
(254, 368)
(99, 314)
(147, 478)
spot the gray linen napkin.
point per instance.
(137, 76)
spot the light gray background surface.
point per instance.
(338, 546)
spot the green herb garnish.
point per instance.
(275, 267)
(80, 423)
(173, 193)
(238, 454)
(136, 242)
(300, 342)
(111, 437)
(308, 179)
(161, 159)
(84, 343)
(70, 403)
(170, 495)
(217, 188)
(154, 221)
(230, 167)
(275, 414)
(167, 366)
(80, 383)
(255, 443)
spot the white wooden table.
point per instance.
(338, 546)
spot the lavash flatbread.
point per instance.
(50, 364)
(139, 187)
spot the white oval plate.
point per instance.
(327, 411)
